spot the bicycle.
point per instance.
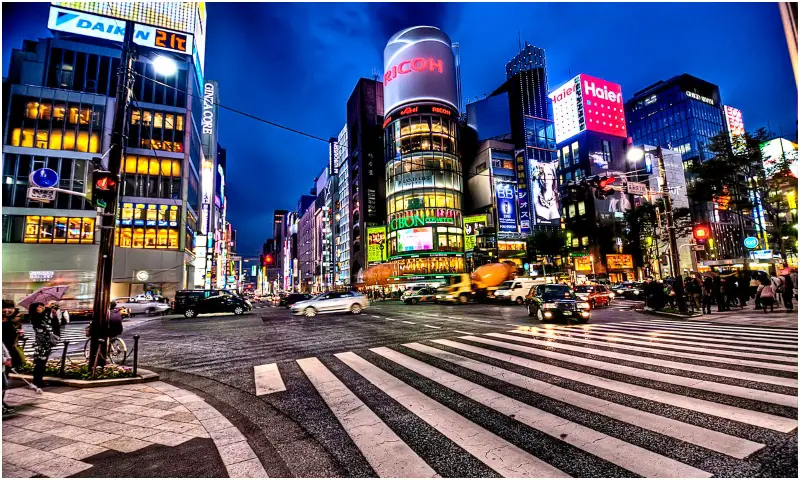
(116, 350)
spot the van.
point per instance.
(514, 291)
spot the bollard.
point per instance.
(63, 359)
(24, 342)
(135, 354)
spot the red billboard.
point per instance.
(588, 103)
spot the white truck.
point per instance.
(514, 291)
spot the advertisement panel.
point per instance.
(181, 16)
(583, 264)
(424, 216)
(419, 64)
(545, 192)
(415, 239)
(778, 153)
(376, 244)
(113, 29)
(472, 226)
(619, 261)
(588, 103)
(523, 200)
(506, 206)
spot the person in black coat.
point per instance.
(788, 292)
(708, 294)
(719, 294)
(43, 345)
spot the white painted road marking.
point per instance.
(268, 379)
(387, 453)
(431, 326)
(410, 323)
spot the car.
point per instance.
(595, 295)
(514, 291)
(292, 298)
(413, 296)
(629, 290)
(331, 302)
(553, 301)
(191, 303)
(138, 307)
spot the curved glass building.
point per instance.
(424, 181)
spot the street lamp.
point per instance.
(165, 66)
(635, 154)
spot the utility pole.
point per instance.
(677, 277)
(105, 257)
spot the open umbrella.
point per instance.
(44, 295)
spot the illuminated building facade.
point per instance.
(57, 93)
(424, 182)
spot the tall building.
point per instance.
(60, 97)
(424, 183)
(367, 196)
(342, 215)
(683, 114)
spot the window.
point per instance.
(576, 158)
(581, 208)
(585, 241)
(47, 229)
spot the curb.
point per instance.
(143, 377)
(665, 314)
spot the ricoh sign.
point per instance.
(419, 65)
(588, 103)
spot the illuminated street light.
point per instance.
(635, 154)
(165, 66)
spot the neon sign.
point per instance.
(421, 217)
(208, 108)
(417, 64)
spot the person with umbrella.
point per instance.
(11, 333)
(43, 344)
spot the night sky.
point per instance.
(296, 64)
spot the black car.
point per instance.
(630, 290)
(548, 302)
(194, 302)
(289, 300)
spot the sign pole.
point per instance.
(105, 257)
(677, 276)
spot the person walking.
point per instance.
(708, 294)
(743, 287)
(777, 288)
(754, 283)
(12, 329)
(719, 294)
(766, 294)
(44, 342)
(731, 291)
(788, 292)
(6, 365)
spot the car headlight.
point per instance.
(449, 296)
(550, 305)
(620, 291)
(585, 313)
(583, 306)
(636, 292)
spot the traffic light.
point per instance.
(701, 233)
(104, 188)
(266, 260)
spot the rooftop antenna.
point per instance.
(375, 74)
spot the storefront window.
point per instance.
(46, 229)
(138, 238)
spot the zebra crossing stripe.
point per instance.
(703, 437)
(668, 342)
(498, 454)
(719, 332)
(721, 388)
(410, 323)
(431, 326)
(717, 328)
(623, 454)
(463, 333)
(742, 415)
(735, 328)
(386, 453)
(659, 350)
(268, 379)
(755, 377)
(690, 335)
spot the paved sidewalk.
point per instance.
(749, 316)
(86, 432)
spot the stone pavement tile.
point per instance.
(70, 431)
(205, 414)
(78, 450)
(60, 407)
(16, 421)
(197, 431)
(176, 427)
(79, 421)
(61, 417)
(236, 452)
(13, 471)
(146, 421)
(12, 448)
(247, 469)
(50, 443)
(168, 438)
(187, 417)
(83, 402)
(96, 438)
(28, 436)
(37, 412)
(226, 436)
(109, 427)
(154, 413)
(216, 423)
(60, 467)
(30, 457)
(126, 444)
(140, 401)
(180, 409)
(40, 425)
(163, 386)
(132, 409)
(9, 431)
(196, 405)
(139, 432)
(119, 417)
(161, 405)
(187, 397)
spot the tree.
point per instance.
(737, 172)
(545, 243)
(642, 222)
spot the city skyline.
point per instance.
(332, 54)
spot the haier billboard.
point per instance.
(588, 103)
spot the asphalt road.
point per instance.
(484, 390)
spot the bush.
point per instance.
(79, 370)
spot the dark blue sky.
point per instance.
(296, 64)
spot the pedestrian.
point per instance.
(719, 294)
(708, 294)
(6, 365)
(695, 291)
(788, 292)
(754, 283)
(12, 330)
(743, 287)
(731, 292)
(777, 287)
(766, 293)
(44, 342)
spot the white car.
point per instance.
(514, 291)
(138, 307)
(331, 302)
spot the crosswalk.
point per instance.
(74, 334)
(652, 398)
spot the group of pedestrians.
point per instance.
(46, 322)
(736, 290)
